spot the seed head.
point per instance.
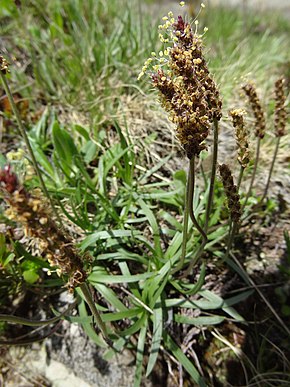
(260, 121)
(241, 136)
(186, 89)
(32, 211)
(231, 192)
(280, 108)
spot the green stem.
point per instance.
(27, 142)
(188, 211)
(254, 172)
(204, 176)
(33, 323)
(190, 198)
(232, 232)
(185, 223)
(194, 259)
(213, 174)
(89, 300)
(31, 340)
(271, 169)
(240, 178)
(194, 221)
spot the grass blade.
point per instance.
(140, 354)
(181, 357)
(156, 337)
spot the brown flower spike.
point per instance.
(241, 136)
(260, 121)
(186, 89)
(231, 192)
(32, 211)
(280, 108)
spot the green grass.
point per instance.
(240, 47)
(252, 46)
(82, 55)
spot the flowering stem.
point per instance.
(213, 173)
(254, 172)
(240, 178)
(204, 176)
(209, 201)
(89, 300)
(193, 218)
(188, 211)
(271, 169)
(185, 223)
(190, 198)
(27, 142)
(232, 231)
(34, 323)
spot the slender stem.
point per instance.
(34, 323)
(88, 297)
(185, 224)
(213, 173)
(271, 169)
(194, 221)
(254, 172)
(240, 178)
(195, 259)
(190, 198)
(191, 177)
(27, 142)
(232, 232)
(204, 176)
(32, 339)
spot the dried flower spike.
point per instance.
(4, 65)
(280, 108)
(241, 136)
(186, 89)
(231, 192)
(260, 123)
(32, 211)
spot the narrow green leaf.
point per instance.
(154, 169)
(42, 159)
(91, 239)
(153, 223)
(134, 327)
(65, 150)
(140, 354)
(134, 287)
(172, 221)
(185, 362)
(156, 337)
(193, 289)
(174, 246)
(9, 259)
(134, 312)
(88, 327)
(118, 346)
(110, 296)
(117, 279)
(199, 321)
